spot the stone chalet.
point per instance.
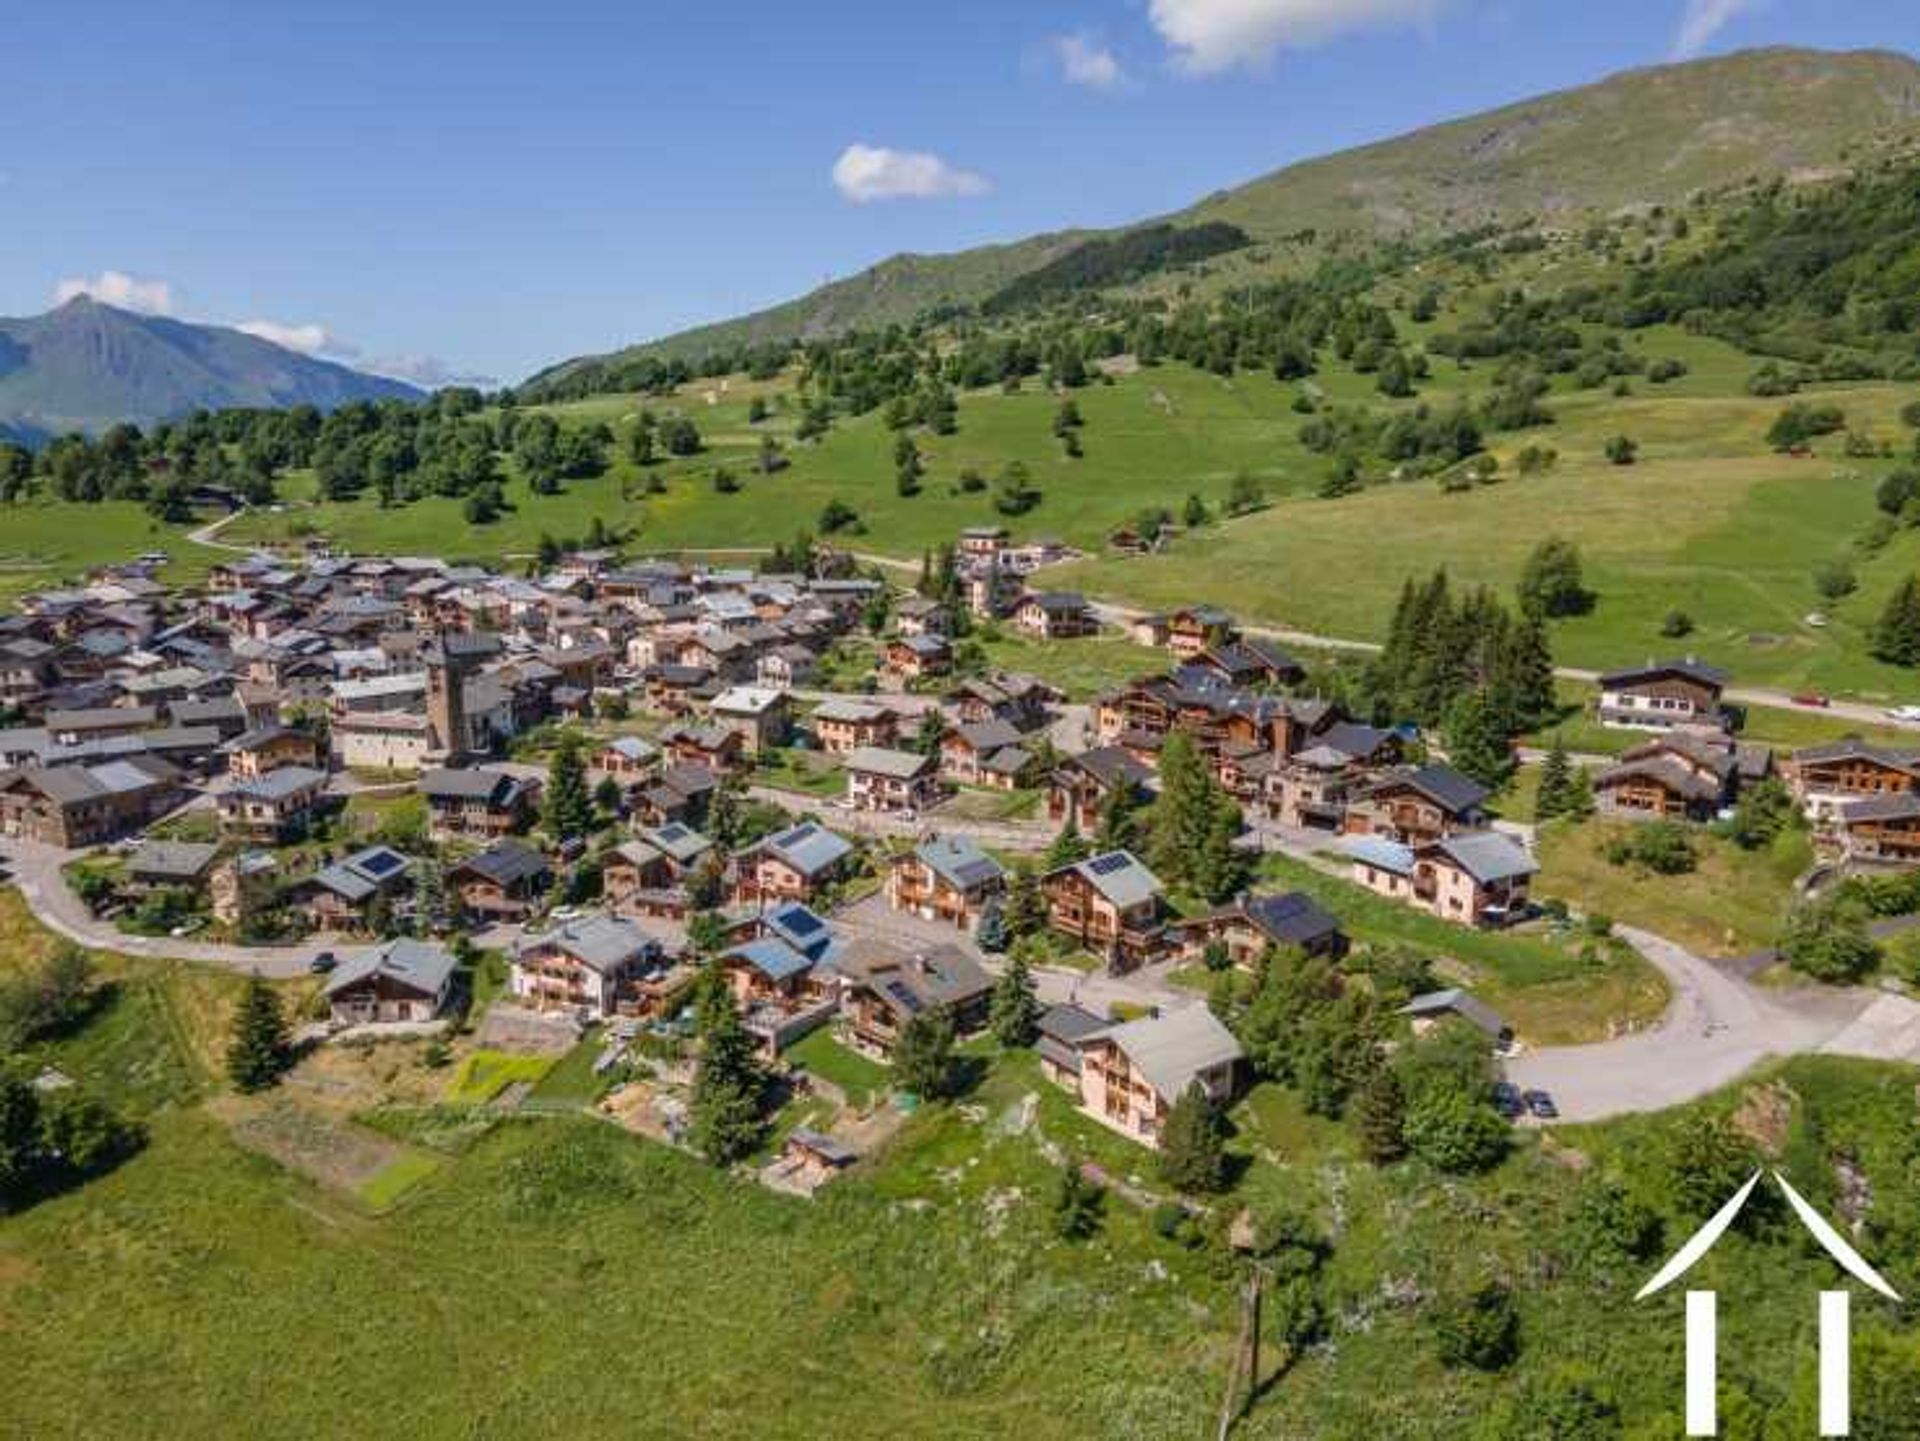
(253, 753)
(506, 882)
(342, 896)
(1480, 878)
(1054, 615)
(1826, 778)
(1249, 926)
(945, 878)
(597, 965)
(899, 782)
(793, 864)
(278, 806)
(882, 989)
(395, 981)
(842, 726)
(1661, 694)
(1110, 904)
(1415, 806)
(1083, 784)
(478, 802)
(1130, 1075)
(1688, 773)
(757, 714)
(85, 805)
(782, 984)
(1880, 831)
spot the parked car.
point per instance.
(1506, 1100)
(1540, 1105)
(1814, 699)
(1908, 713)
(322, 962)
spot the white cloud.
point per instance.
(1085, 61)
(1705, 19)
(307, 339)
(1209, 36)
(429, 372)
(873, 172)
(116, 287)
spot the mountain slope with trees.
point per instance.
(1646, 137)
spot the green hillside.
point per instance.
(1645, 137)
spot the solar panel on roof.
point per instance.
(1106, 865)
(801, 922)
(801, 832)
(904, 996)
(381, 863)
(672, 833)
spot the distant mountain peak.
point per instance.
(86, 365)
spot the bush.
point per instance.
(1078, 1205)
(1828, 940)
(1479, 1328)
(1454, 1131)
(1623, 450)
(1662, 847)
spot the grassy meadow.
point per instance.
(202, 1290)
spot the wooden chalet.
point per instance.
(945, 878)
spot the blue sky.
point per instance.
(435, 189)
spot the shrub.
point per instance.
(1478, 1328)
(1662, 847)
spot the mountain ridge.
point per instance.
(87, 365)
(1686, 127)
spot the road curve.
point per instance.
(1717, 1028)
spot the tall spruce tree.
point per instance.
(923, 1059)
(729, 1089)
(1015, 1013)
(1555, 795)
(1478, 743)
(1896, 639)
(1068, 846)
(1380, 1114)
(1192, 1156)
(1025, 913)
(568, 809)
(260, 1050)
(1119, 828)
(1194, 824)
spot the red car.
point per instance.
(1814, 699)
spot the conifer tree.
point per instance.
(1119, 828)
(1380, 1113)
(1194, 824)
(1896, 639)
(1068, 846)
(1015, 1014)
(568, 810)
(1477, 742)
(730, 1086)
(1192, 1157)
(260, 1049)
(1025, 913)
(923, 1055)
(1555, 797)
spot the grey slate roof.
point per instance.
(959, 861)
(600, 942)
(1488, 856)
(880, 761)
(810, 848)
(1454, 1001)
(1171, 1050)
(1119, 876)
(421, 966)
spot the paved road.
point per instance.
(36, 870)
(1718, 1027)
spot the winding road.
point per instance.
(1718, 1027)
